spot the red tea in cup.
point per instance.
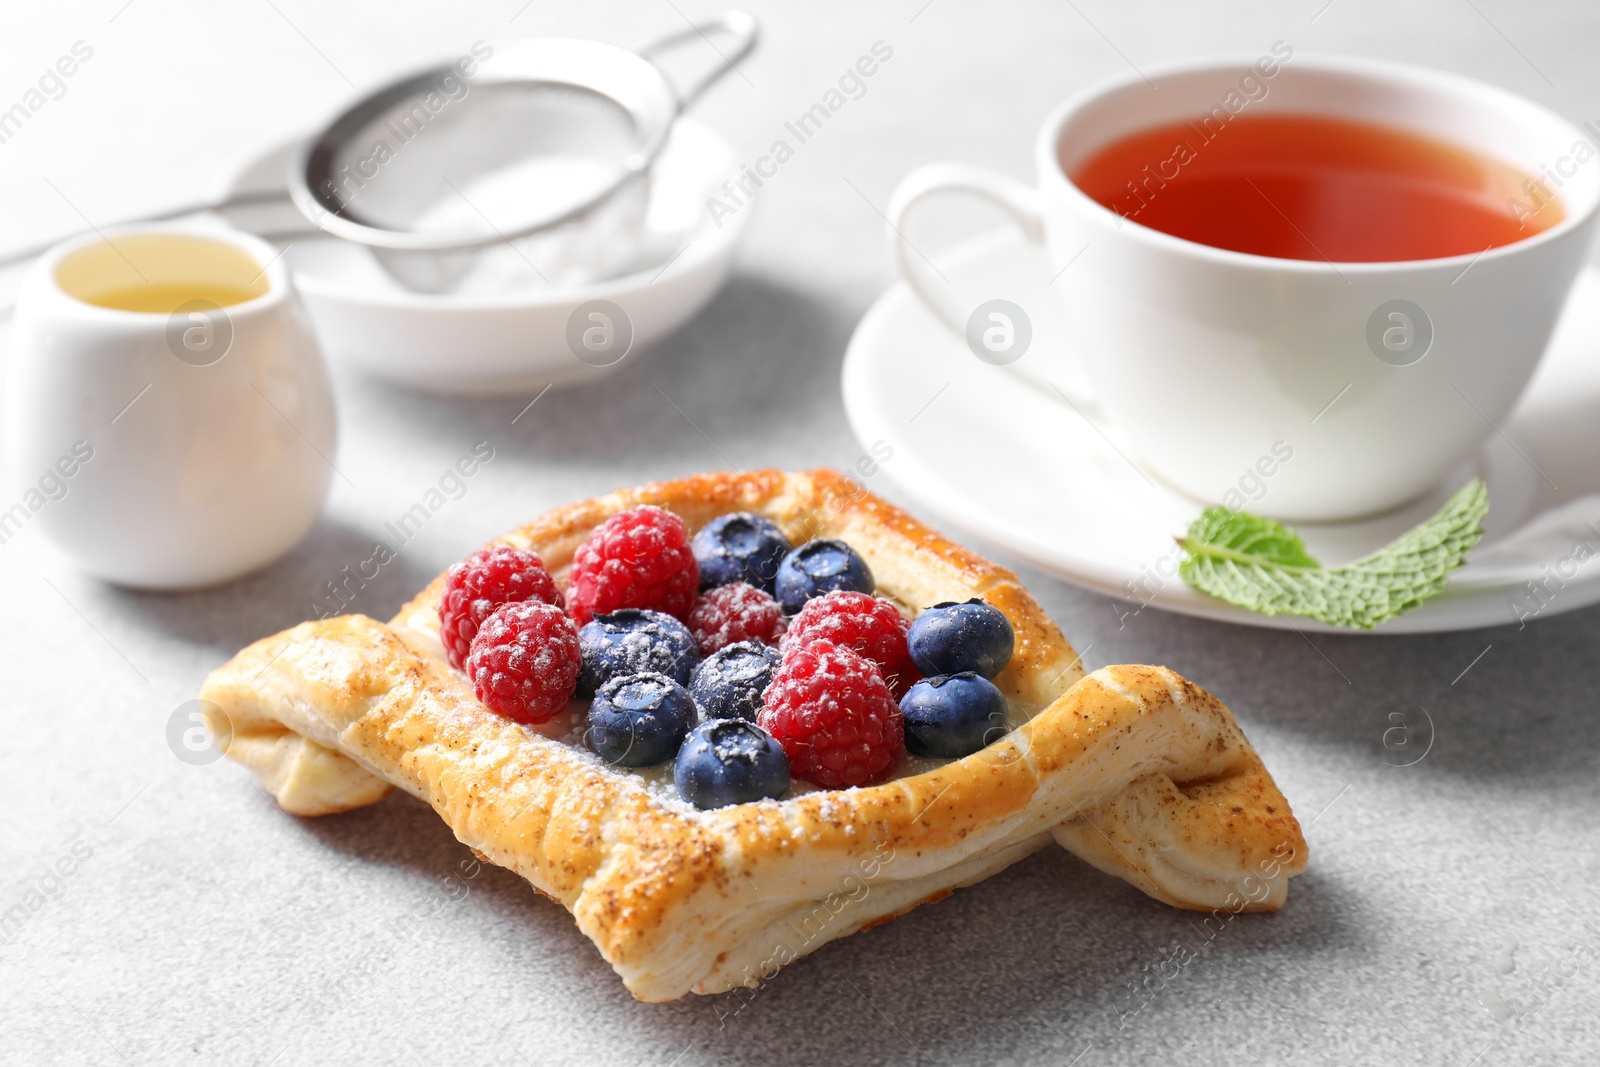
(1300, 186)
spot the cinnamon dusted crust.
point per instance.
(1133, 768)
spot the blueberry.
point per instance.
(818, 567)
(633, 641)
(740, 547)
(639, 720)
(950, 638)
(730, 683)
(730, 761)
(953, 715)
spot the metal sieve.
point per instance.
(532, 171)
(527, 168)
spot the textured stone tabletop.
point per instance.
(171, 914)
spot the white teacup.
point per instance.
(165, 450)
(1222, 368)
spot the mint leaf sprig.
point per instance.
(1262, 565)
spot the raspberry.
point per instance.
(635, 559)
(729, 614)
(524, 661)
(482, 582)
(866, 624)
(832, 713)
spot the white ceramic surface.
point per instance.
(483, 345)
(1213, 361)
(165, 451)
(998, 454)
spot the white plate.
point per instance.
(996, 453)
(490, 344)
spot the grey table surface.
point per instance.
(1448, 916)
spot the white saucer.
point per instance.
(996, 453)
(491, 344)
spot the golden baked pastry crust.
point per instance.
(1133, 768)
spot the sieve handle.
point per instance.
(264, 196)
(736, 24)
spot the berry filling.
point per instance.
(634, 641)
(639, 720)
(729, 614)
(831, 711)
(730, 761)
(951, 638)
(482, 582)
(953, 715)
(740, 547)
(819, 567)
(635, 559)
(524, 661)
(870, 625)
(731, 683)
(690, 682)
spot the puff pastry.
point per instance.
(1136, 770)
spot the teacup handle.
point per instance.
(1020, 203)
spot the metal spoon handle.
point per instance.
(736, 24)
